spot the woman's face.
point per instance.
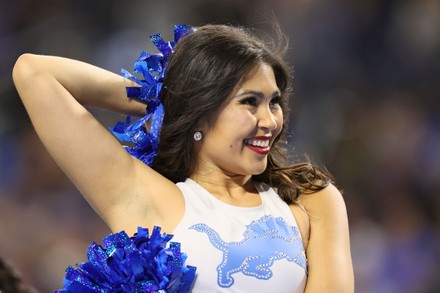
(239, 141)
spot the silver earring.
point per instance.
(198, 136)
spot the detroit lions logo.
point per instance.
(265, 240)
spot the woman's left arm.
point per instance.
(328, 251)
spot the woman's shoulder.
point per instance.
(329, 244)
(323, 203)
(322, 211)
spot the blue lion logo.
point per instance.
(265, 240)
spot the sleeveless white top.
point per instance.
(241, 249)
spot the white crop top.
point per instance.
(241, 249)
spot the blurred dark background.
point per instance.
(365, 104)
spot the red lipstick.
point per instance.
(258, 144)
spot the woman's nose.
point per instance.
(267, 119)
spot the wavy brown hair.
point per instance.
(201, 75)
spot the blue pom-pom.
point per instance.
(152, 68)
(141, 263)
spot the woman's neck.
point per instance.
(236, 190)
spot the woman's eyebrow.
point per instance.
(258, 94)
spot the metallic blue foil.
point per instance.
(152, 68)
(141, 263)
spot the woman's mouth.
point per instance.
(260, 145)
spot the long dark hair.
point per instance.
(201, 75)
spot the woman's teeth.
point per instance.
(257, 142)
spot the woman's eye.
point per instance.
(275, 101)
(249, 101)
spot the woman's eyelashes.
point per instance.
(251, 101)
(274, 103)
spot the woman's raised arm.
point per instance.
(88, 84)
(54, 91)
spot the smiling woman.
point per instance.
(217, 179)
(249, 119)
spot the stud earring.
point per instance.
(198, 136)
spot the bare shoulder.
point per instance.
(323, 203)
(329, 245)
(312, 208)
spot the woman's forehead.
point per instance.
(260, 78)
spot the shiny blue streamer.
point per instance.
(144, 143)
(141, 263)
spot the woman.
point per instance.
(214, 180)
